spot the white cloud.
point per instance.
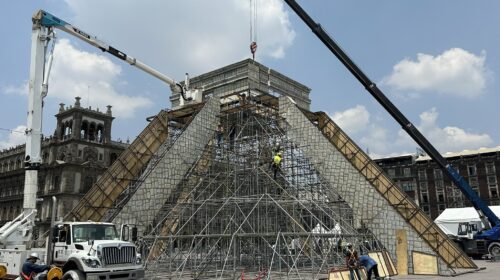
(353, 119)
(383, 142)
(454, 72)
(90, 76)
(448, 138)
(19, 89)
(15, 137)
(186, 36)
(377, 140)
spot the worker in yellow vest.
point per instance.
(278, 157)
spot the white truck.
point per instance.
(88, 250)
(81, 250)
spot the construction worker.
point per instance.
(352, 261)
(34, 271)
(370, 266)
(219, 133)
(276, 163)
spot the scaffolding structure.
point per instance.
(229, 216)
(199, 185)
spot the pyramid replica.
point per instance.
(212, 207)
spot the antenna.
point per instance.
(88, 96)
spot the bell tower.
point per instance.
(78, 123)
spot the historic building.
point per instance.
(424, 181)
(72, 159)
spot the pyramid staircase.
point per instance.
(229, 213)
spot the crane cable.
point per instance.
(253, 27)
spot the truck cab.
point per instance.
(469, 229)
(94, 250)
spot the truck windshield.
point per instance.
(84, 233)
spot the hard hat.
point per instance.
(349, 245)
(34, 255)
(279, 153)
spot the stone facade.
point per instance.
(72, 159)
(422, 179)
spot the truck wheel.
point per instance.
(73, 275)
(494, 249)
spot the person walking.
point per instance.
(31, 270)
(352, 261)
(370, 265)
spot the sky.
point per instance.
(437, 61)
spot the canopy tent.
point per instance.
(450, 218)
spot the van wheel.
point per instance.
(73, 275)
(494, 249)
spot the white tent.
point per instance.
(450, 218)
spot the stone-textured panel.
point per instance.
(369, 206)
(143, 207)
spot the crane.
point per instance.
(43, 32)
(492, 223)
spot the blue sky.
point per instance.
(438, 61)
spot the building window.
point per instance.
(391, 172)
(471, 169)
(440, 196)
(473, 181)
(55, 183)
(441, 208)
(423, 186)
(80, 152)
(438, 174)
(407, 172)
(422, 175)
(87, 184)
(100, 156)
(426, 209)
(439, 184)
(408, 186)
(425, 196)
(490, 167)
(492, 186)
(492, 180)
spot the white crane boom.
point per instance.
(44, 24)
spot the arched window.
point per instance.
(112, 158)
(62, 131)
(100, 133)
(56, 181)
(92, 132)
(84, 130)
(87, 184)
